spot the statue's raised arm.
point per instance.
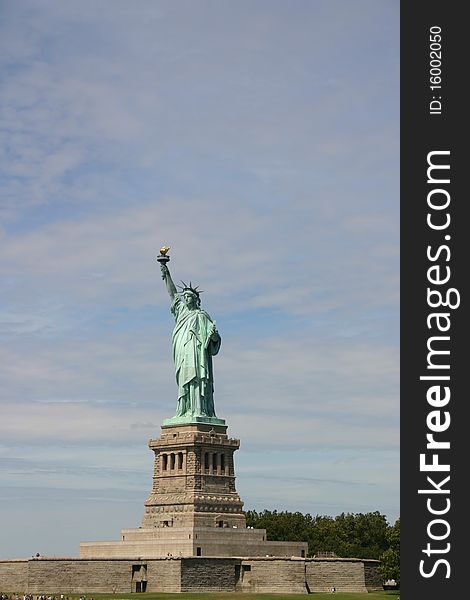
(164, 259)
(195, 341)
(170, 286)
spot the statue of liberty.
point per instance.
(195, 341)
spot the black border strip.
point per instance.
(427, 128)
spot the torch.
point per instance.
(162, 258)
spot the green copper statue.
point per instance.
(195, 341)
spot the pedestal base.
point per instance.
(191, 541)
(193, 508)
(194, 478)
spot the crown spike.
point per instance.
(189, 288)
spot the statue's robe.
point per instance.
(193, 350)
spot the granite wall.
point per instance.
(188, 574)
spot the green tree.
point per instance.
(348, 535)
(390, 559)
(280, 526)
(361, 535)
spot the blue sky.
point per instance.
(260, 141)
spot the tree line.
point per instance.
(348, 535)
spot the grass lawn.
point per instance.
(382, 595)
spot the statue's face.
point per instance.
(190, 300)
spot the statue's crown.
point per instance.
(190, 288)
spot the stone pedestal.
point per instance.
(193, 508)
(194, 479)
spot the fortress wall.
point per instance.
(346, 575)
(272, 575)
(164, 575)
(190, 574)
(372, 576)
(65, 576)
(13, 575)
(208, 575)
